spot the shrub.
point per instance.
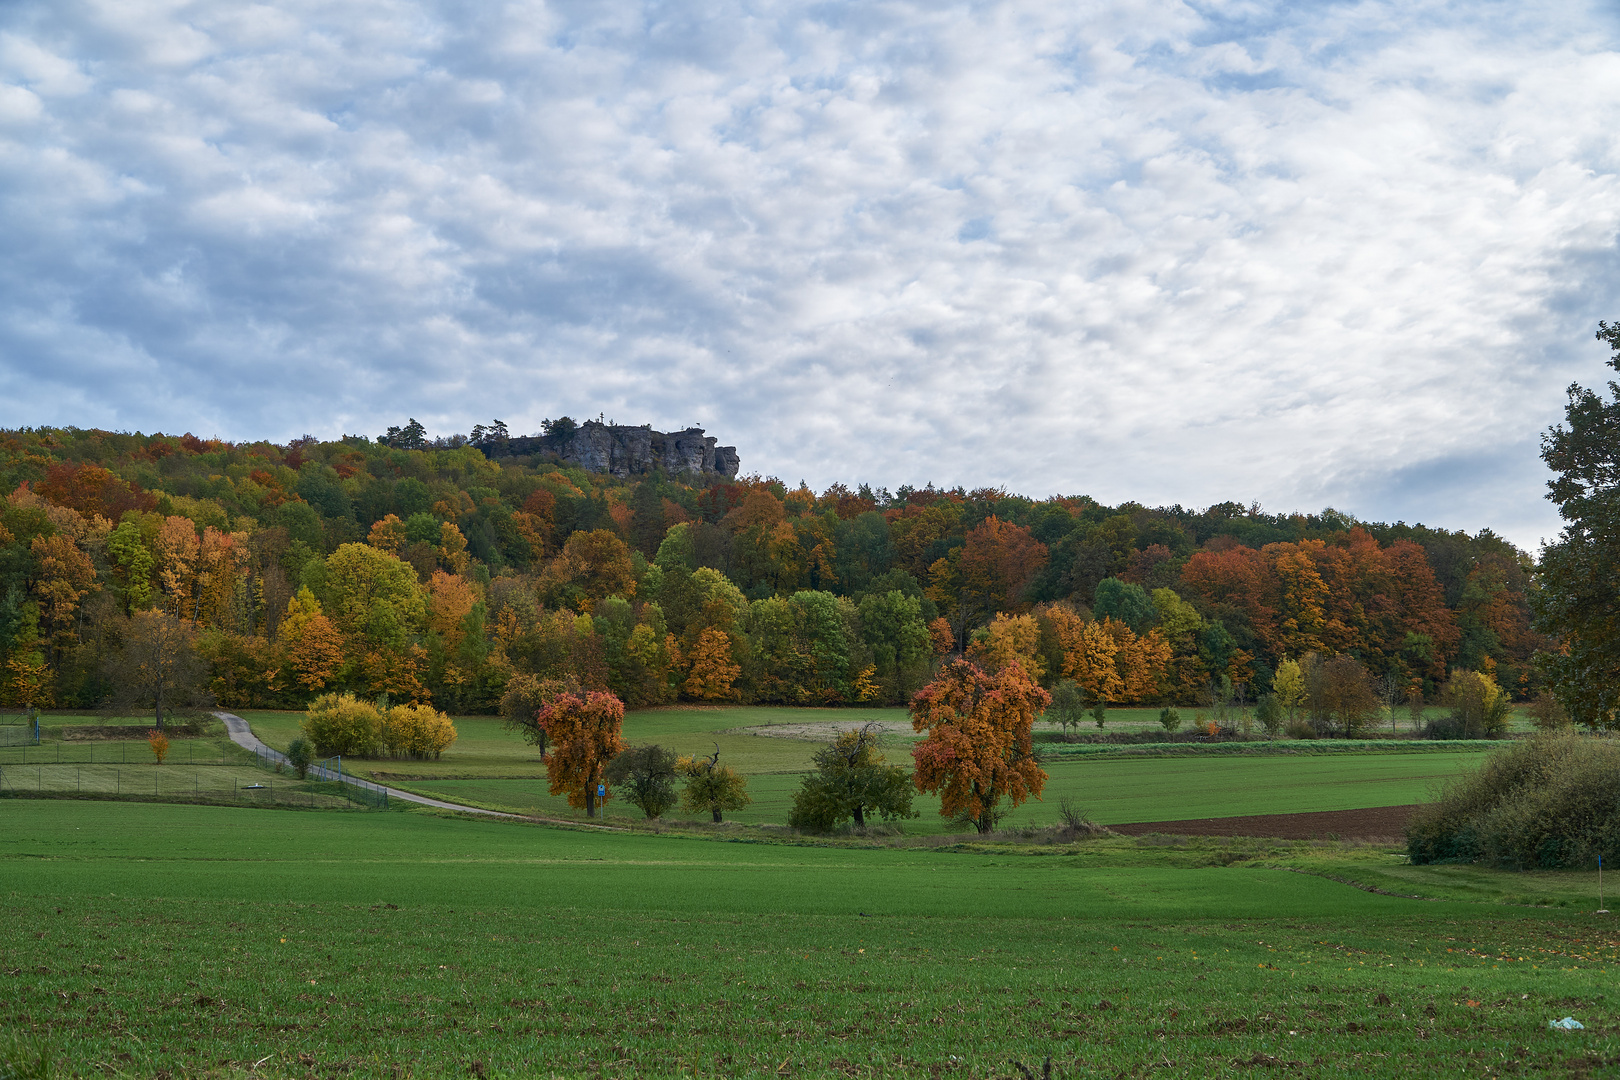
(1301, 729)
(300, 756)
(416, 731)
(1270, 714)
(341, 724)
(1547, 713)
(1551, 801)
(1169, 719)
(159, 743)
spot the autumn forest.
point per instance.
(451, 574)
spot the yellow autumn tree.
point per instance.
(1007, 639)
(713, 672)
(1089, 651)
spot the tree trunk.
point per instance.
(860, 817)
(590, 800)
(717, 817)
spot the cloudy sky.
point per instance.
(1341, 254)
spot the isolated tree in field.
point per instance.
(712, 786)
(1068, 708)
(525, 697)
(159, 743)
(978, 747)
(851, 780)
(1576, 600)
(158, 667)
(645, 776)
(1339, 694)
(584, 733)
(300, 755)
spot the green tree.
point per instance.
(645, 776)
(1576, 598)
(158, 667)
(1125, 602)
(300, 755)
(1068, 706)
(711, 786)
(850, 781)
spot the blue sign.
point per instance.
(601, 791)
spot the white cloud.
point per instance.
(1149, 250)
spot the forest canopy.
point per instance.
(430, 571)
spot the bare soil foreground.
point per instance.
(1375, 822)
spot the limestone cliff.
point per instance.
(633, 451)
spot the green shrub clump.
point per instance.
(1169, 719)
(1550, 801)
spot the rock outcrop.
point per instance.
(631, 451)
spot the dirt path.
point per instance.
(1379, 822)
(242, 735)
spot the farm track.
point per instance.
(1372, 823)
(241, 733)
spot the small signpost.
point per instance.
(601, 800)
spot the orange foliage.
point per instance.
(1089, 653)
(1141, 662)
(713, 672)
(978, 747)
(90, 489)
(583, 735)
(387, 535)
(450, 600)
(998, 560)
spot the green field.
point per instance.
(492, 768)
(202, 941)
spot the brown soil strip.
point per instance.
(1378, 822)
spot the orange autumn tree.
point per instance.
(978, 747)
(312, 645)
(583, 731)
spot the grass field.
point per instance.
(492, 768)
(201, 941)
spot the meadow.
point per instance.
(493, 768)
(151, 940)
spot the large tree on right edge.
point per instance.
(1579, 596)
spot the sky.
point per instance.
(1337, 254)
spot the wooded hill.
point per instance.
(442, 574)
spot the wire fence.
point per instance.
(120, 752)
(23, 734)
(238, 782)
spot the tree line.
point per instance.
(172, 569)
